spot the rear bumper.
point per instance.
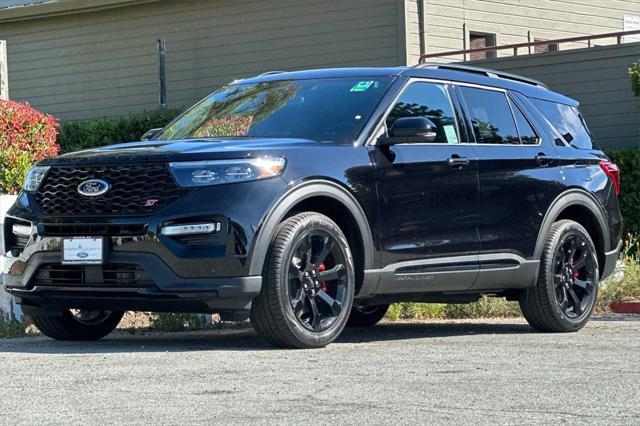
(163, 291)
(610, 259)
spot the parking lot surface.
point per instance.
(481, 371)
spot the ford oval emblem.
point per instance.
(83, 255)
(93, 187)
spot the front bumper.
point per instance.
(199, 274)
(164, 290)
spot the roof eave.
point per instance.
(62, 7)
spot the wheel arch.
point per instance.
(308, 195)
(582, 207)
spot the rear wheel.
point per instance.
(76, 324)
(565, 295)
(308, 284)
(366, 316)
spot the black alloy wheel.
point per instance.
(317, 280)
(565, 294)
(308, 284)
(574, 276)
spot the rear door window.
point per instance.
(491, 116)
(568, 121)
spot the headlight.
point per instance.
(34, 178)
(217, 172)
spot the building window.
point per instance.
(481, 40)
(541, 48)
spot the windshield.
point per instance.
(334, 109)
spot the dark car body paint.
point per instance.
(427, 227)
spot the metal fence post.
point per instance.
(162, 72)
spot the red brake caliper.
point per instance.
(322, 268)
(575, 273)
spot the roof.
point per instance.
(328, 73)
(450, 72)
(20, 10)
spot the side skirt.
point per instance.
(474, 274)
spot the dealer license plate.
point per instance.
(82, 251)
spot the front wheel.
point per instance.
(565, 295)
(78, 324)
(308, 287)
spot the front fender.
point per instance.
(313, 188)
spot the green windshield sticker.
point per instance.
(450, 133)
(362, 86)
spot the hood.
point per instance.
(187, 149)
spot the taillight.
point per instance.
(612, 170)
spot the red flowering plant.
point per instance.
(26, 136)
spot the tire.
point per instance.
(368, 316)
(565, 294)
(284, 312)
(70, 327)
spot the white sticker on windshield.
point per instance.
(450, 133)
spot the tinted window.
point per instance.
(568, 121)
(332, 109)
(527, 134)
(429, 100)
(491, 116)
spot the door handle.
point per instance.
(456, 161)
(543, 160)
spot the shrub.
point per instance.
(85, 134)
(629, 162)
(627, 287)
(169, 321)
(26, 136)
(634, 74)
(11, 328)
(486, 307)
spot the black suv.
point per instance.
(312, 200)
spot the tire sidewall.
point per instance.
(307, 337)
(565, 230)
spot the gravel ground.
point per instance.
(487, 371)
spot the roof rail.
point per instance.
(482, 71)
(270, 73)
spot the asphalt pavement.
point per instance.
(463, 372)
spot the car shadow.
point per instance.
(245, 339)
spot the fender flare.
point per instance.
(313, 188)
(573, 197)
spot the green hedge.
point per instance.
(629, 162)
(77, 135)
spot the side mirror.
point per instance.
(410, 130)
(150, 134)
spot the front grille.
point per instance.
(135, 190)
(93, 229)
(111, 275)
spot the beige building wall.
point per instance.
(511, 20)
(81, 59)
(104, 62)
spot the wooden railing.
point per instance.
(618, 36)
